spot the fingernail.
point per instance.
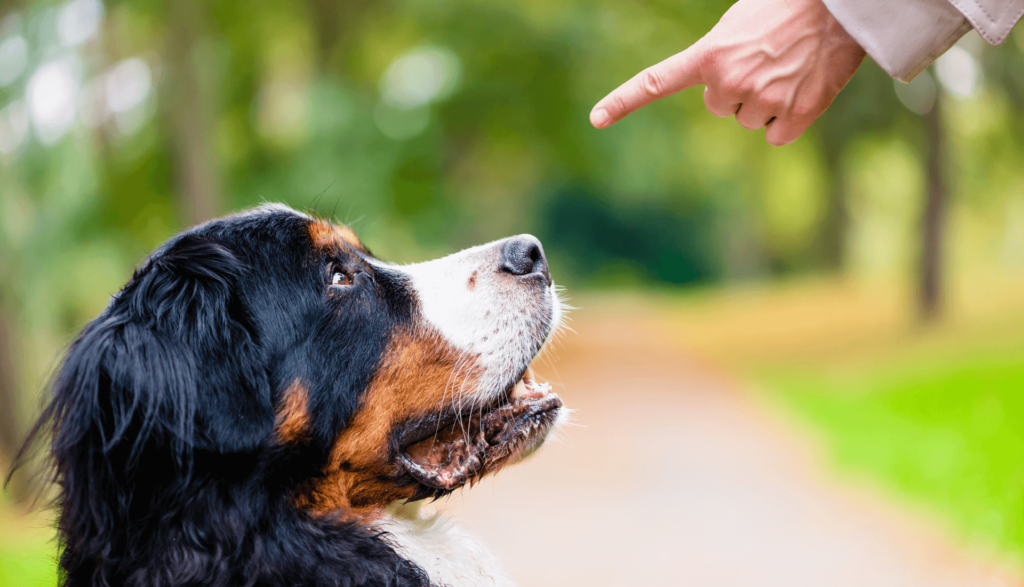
(600, 118)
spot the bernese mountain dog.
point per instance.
(265, 403)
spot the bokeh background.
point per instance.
(862, 288)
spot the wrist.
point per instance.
(832, 29)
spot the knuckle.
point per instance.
(618, 105)
(717, 110)
(715, 105)
(780, 137)
(733, 84)
(773, 103)
(805, 111)
(708, 55)
(652, 83)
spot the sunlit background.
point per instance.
(861, 289)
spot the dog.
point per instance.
(265, 403)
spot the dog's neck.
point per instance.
(450, 556)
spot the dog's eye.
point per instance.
(338, 278)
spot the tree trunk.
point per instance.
(189, 113)
(10, 426)
(933, 222)
(333, 24)
(832, 238)
(327, 25)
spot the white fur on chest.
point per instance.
(450, 557)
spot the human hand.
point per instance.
(774, 63)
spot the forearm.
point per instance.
(905, 36)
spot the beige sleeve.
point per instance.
(905, 36)
(993, 19)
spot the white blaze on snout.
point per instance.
(499, 318)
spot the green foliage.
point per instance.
(635, 243)
(294, 106)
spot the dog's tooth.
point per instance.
(535, 389)
(540, 389)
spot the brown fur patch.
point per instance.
(419, 374)
(292, 416)
(325, 234)
(472, 281)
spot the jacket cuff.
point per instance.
(993, 19)
(904, 36)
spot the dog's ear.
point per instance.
(173, 363)
(193, 299)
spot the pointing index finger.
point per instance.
(672, 75)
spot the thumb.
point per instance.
(663, 79)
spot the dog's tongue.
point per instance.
(456, 453)
(449, 458)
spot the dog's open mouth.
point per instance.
(446, 452)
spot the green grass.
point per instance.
(27, 549)
(27, 567)
(28, 564)
(945, 433)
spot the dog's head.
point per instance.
(448, 395)
(274, 333)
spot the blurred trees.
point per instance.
(10, 423)
(866, 106)
(188, 103)
(933, 220)
(438, 125)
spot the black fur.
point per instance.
(163, 414)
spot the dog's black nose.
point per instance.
(524, 255)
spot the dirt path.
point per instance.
(676, 478)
